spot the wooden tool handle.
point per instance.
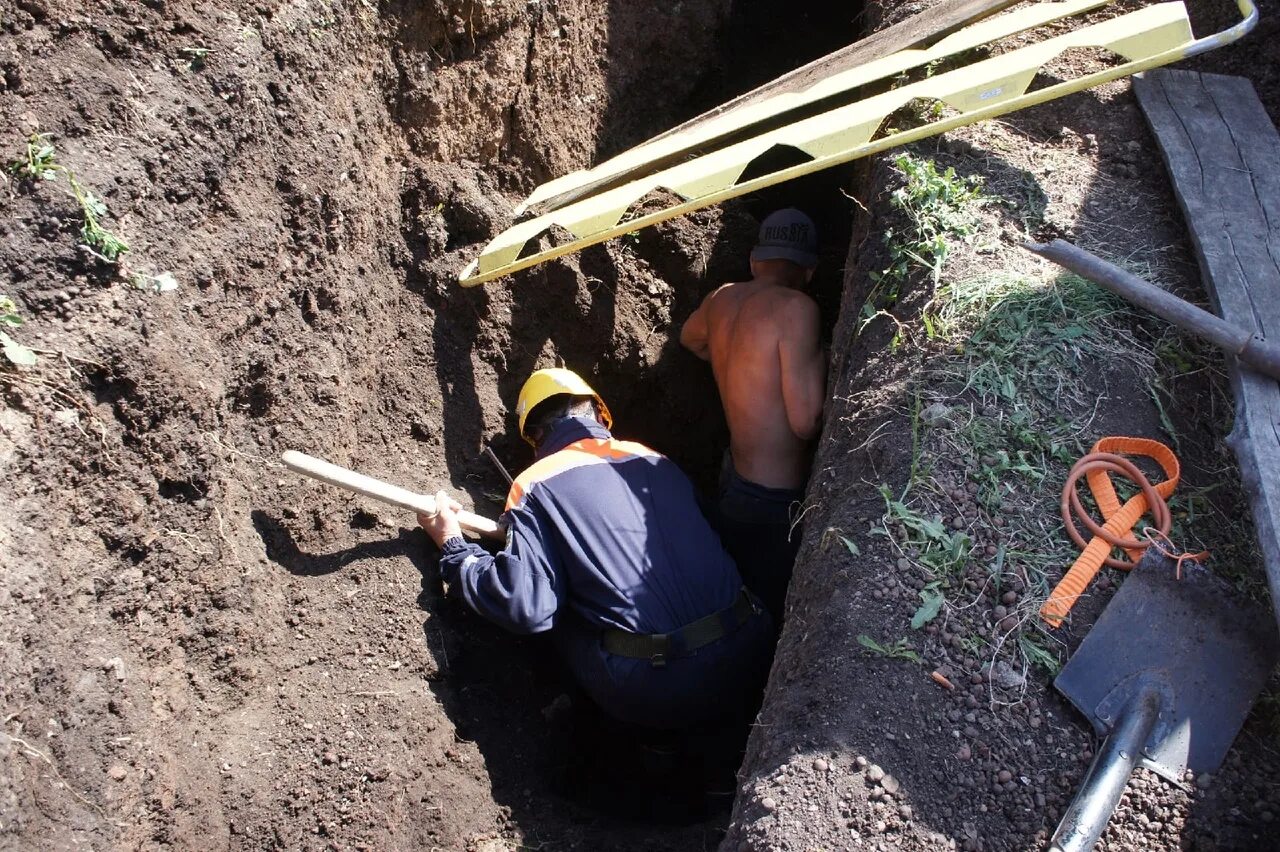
(383, 491)
(1261, 355)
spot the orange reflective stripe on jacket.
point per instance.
(578, 454)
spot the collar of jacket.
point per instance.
(569, 430)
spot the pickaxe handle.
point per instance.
(383, 491)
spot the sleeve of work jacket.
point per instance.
(517, 588)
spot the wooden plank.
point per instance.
(1223, 154)
(917, 31)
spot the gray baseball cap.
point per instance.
(788, 235)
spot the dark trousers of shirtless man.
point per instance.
(760, 528)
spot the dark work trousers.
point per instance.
(714, 681)
(755, 526)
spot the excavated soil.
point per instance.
(201, 650)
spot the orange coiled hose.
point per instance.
(1119, 520)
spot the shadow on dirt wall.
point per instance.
(507, 693)
(672, 404)
(659, 394)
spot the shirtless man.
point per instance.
(762, 338)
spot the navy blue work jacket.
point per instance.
(608, 529)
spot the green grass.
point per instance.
(937, 207)
(1013, 337)
(1006, 400)
(1003, 402)
(39, 162)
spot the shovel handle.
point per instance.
(1087, 818)
(385, 492)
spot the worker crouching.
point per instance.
(608, 549)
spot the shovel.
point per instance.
(1167, 675)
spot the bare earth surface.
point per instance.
(200, 650)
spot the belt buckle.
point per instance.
(658, 660)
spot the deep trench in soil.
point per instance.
(202, 650)
(315, 175)
(669, 403)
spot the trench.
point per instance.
(316, 177)
(544, 746)
(228, 657)
(665, 402)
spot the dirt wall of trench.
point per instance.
(199, 649)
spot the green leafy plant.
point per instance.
(105, 244)
(897, 650)
(835, 532)
(14, 352)
(931, 600)
(938, 206)
(941, 550)
(40, 163)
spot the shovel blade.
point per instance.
(1211, 651)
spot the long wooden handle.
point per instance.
(383, 491)
(1253, 351)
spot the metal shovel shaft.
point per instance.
(1085, 820)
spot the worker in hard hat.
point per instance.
(608, 549)
(763, 339)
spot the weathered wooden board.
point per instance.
(938, 21)
(1223, 154)
(935, 23)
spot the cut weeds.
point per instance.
(938, 206)
(899, 649)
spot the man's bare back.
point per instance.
(763, 340)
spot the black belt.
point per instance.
(658, 647)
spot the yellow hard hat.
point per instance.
(544, 384)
